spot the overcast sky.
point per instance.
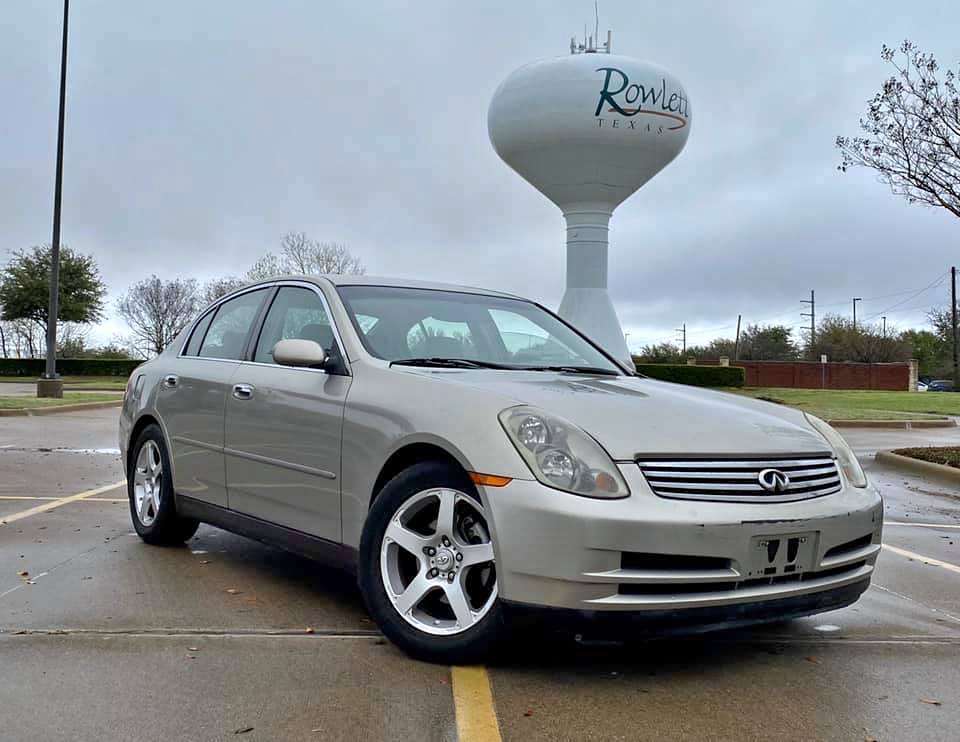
(199, 132)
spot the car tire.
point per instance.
(150, 491)
(486, 630)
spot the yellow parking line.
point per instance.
(7, 519)
(473, 704)
(922, 558)
(51, 499)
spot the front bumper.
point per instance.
(660, 623)
(649, 555)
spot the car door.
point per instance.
(283, 424)
(191, 398)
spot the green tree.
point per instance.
(769, 343)
(839, 340)
(25, 287)
(931, 351)
(660, 353)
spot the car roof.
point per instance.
(405, 283)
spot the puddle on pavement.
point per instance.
(99, 451)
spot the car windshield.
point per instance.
(433, 327)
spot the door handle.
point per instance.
(242, 391)
(170, 381)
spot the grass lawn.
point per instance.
(842, 404)
(947, 455)
(23, 403)
(74, 382)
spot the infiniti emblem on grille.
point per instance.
(773, 480)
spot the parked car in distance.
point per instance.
(940, 385)
(481, 464)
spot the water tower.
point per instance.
(587, 130)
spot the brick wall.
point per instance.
(809, 375)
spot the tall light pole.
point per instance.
(51, 385)
(855, 300)
(884, 318)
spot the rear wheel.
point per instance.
(150, 489)
(427, 569)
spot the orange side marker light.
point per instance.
(489, 480)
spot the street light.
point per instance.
(51, 385)
(855, 300)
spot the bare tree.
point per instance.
(912, 131)
(158, 310)
(300, 254)
(24, 338)
(217, 287)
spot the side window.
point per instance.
(198, 332)
(295, 313)
(228, 331)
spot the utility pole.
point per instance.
(683, 336)
(884, 318)
(736, 344)
(812, 314)
(52, 385)
(855, 300)
(953, 315)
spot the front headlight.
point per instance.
(561, 455)
(845, 457)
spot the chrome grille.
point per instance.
(738, 480)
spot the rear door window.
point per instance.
(227, 335)
(198, 332)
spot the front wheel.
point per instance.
(427, 569)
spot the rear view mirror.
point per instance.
(302, 353)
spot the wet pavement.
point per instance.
(107, 638)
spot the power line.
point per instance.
(936, 282)
(898, 306)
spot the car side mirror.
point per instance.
(302, 353)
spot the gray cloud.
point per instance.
(199, 132)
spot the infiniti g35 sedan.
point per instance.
(479, 463)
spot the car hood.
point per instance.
(634, 417)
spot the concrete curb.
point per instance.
(77, 407)
(917, 466)
(68, 388)
(894, 424)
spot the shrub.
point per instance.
(34, 367)
(693, 375)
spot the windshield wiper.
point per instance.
(575, 370)
(447, 363)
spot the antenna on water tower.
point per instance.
(587, 134)
(591, 44)
(596, 20)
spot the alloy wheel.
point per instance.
(437, 562)
(147, 483)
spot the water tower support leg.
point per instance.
(586, 302)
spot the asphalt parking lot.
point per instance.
(106, 638)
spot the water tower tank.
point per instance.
(587, 130)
